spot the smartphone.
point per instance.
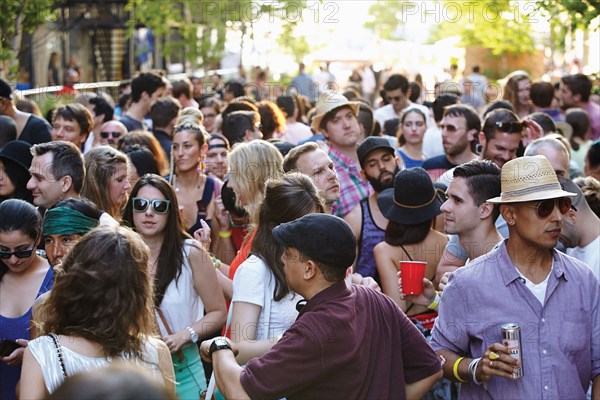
(7, 347)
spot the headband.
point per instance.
(217, 146)
(67, 221)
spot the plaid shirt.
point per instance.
(353, 188)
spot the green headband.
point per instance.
(67, 221)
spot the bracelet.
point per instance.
(225, 235)
(216, 262)
(436, 301)
(473, 370)
(455, 370)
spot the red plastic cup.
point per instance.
(412, 274)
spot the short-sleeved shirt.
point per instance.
(346, 343)
(132, 124)
(36, 130)
(436, 166)
(560, 339)
(353, 188)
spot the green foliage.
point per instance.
(578, 13)
(293, 44)
(202, 25)
(499, 25)
(16, 16)
(567, 15)
(386, 18)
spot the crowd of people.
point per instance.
(251, 235)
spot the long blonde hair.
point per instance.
(251, 165)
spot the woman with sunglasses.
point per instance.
(188, 299)
(106, 181)
(24, 276)
(411, 130)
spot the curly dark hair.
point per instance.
(103, 292)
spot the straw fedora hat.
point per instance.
(529, 179)
(330, 101)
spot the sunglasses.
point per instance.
(140, 205)
(510, 127)
(105, 135)
(450, 128)
(5, 255)
(394, 98)
(545, 207)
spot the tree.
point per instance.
(202, 25)
(386, 18)
(501, 26)
(567, 15)
(579, 14)
(17, 16)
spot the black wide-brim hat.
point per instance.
(19, 152)
(412, 200)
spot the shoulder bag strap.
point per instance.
(59, 354)
(168, 329)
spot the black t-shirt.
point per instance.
(36, 130)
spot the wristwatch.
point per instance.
(219, 343)
(193, 334)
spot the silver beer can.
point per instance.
(511, 338)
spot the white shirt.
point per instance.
(538, 289)
(295, 132)
(589, 254)
(254, 283)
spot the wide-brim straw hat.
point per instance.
(413, 199)
(330, 101)
(529, 179)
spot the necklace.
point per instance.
(197, 186)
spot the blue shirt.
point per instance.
(560, 339)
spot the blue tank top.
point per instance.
(370, 236)
(409, 162)
(13, 329)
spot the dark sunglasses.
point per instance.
(105, 135)
(5, 255)
(545, 207)
(140, 205)
(510, 127)
(394, 98)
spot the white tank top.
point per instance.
(181, 305)
(45, 353)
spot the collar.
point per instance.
(338, 289)
(509, 271)
(336, 155)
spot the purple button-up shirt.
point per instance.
(560, 339)
(353, 188)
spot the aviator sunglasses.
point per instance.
(140, 205)
(545, 207)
